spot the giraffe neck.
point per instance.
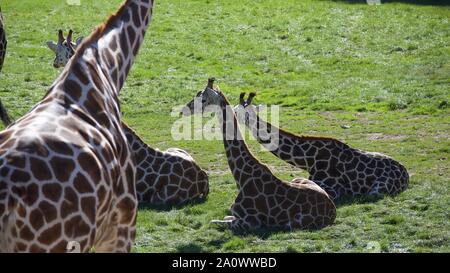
(300, 151)
(112, 48)
(137, 145)
(90, 83)
(240, 160)
(140, 150)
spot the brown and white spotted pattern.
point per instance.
(66, 171)
(169, 177)
(336, 167)
(263, 199)
(64, 49)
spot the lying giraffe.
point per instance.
(3, 113)
(64, 49)
(169, 177)
(336, 167)
(263, 199)
(67, 174)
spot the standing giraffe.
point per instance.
(169, 177)
(339, 169)
(3, 113)
(67, 175)
(263, 199)
(165, 178)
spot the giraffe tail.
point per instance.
(226, 222)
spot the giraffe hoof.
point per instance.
(221, 222)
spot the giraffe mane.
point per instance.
(252, 95)
(100, 31)
(313, 137)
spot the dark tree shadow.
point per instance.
(413, 2)
(345, 201)
(149, 206)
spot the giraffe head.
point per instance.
(63, 49)
(245, 111)
(203, 99)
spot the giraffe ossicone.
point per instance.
(336, 167)
(67, 173)
(263, 200)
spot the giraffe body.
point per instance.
(263, 200)
(67, 175)
(170, 177)
(336, 167)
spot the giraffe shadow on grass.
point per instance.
(346, 201)
(166, 207)
(261, 233)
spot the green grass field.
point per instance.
(382, 70)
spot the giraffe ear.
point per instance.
(78, 42)
(53, 47)
(250, 98)
(241, 98)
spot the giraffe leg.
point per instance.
(117, 238)
(117, 234)
(240, 224)
(126, 232)
(332, 193)
(126, 236)
(107, 238)
(225, 222)
(233, 223)
(379, 188)
(221, 222)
